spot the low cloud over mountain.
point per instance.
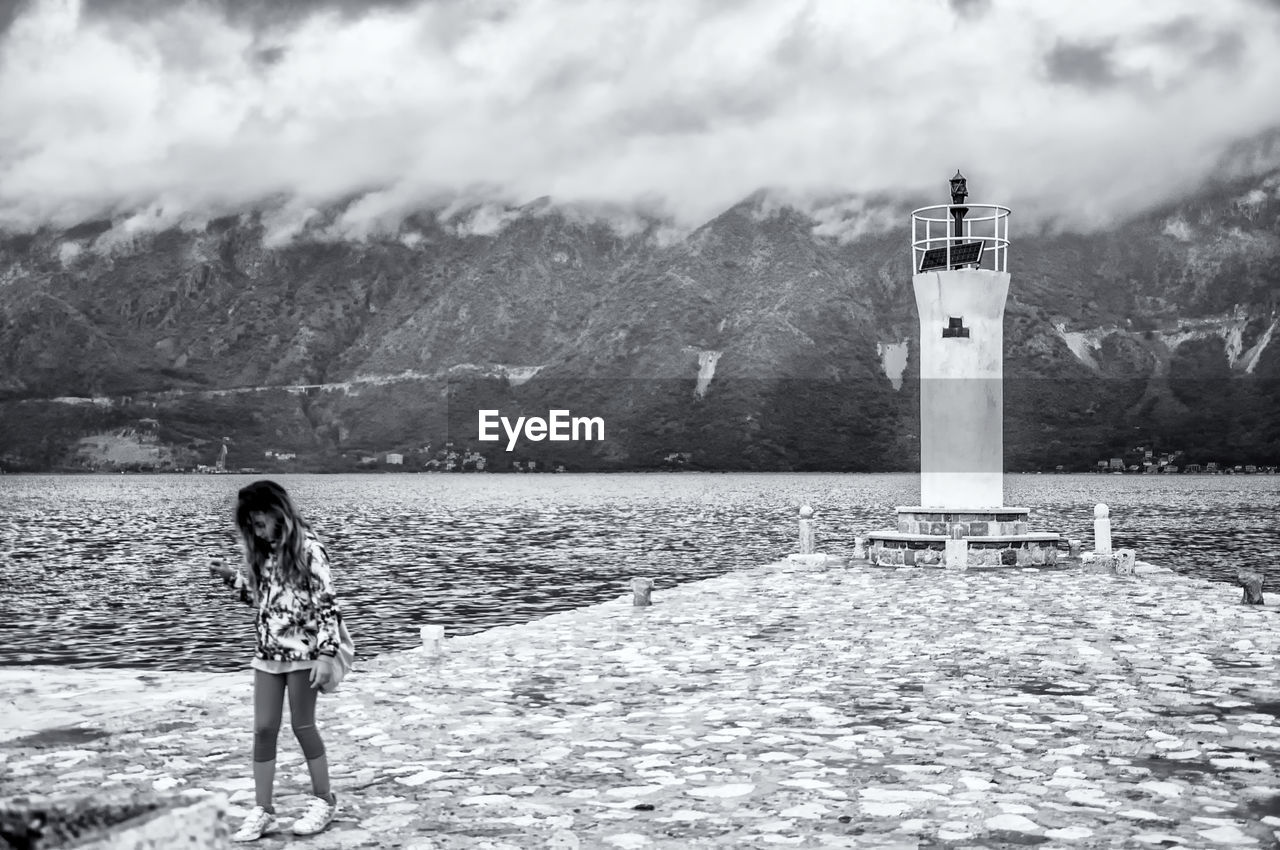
(1078, 114)
(767, 337)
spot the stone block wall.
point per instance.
(994, 554)
(975, 525)
(1012, 555)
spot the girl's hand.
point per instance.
(220, 568)
(321, 673)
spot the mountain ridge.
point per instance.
(1164, 321)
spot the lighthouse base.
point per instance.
(994, 537)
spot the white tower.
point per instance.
(961, 280)
(960, 276)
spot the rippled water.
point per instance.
(101, 571)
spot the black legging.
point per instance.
(268, 707)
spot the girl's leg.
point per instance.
(268, 706)
(302, 715)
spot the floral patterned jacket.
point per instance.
(295, 623)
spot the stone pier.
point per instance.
(783, 705)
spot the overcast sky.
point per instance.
(1093, 108)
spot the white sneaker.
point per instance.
(257, 823)
(319, 814)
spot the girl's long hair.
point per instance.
(268, 497)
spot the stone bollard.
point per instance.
(1102, 529)
(957, 554)
(432, 639)
(1122, 562)
(860, 548)
(806, 530)
(1252, 583)
(641, 588)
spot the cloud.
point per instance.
(1170, 54)
(177, 110)
(1090, 66)
(253, 13)
(9, 11)
(1227, 50)
(970, 8)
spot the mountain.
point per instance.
(771, 337)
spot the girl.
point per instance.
(297, 639)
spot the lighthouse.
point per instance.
(960, 279)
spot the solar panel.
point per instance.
(962, 254)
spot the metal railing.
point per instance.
(987, 223)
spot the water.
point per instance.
(106, 571)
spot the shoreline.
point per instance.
(638, 470)
(779, 704)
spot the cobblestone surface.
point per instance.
(785, 705)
